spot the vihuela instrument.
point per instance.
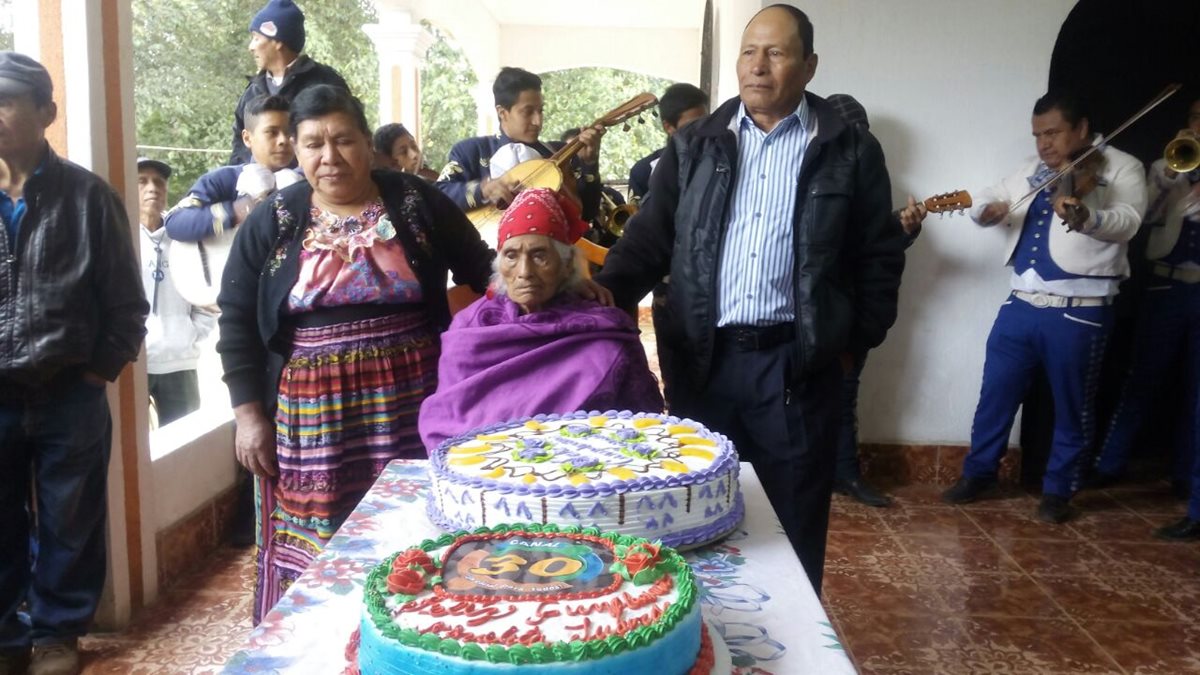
(196, 267)
(548, 172)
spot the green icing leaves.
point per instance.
(647, 562)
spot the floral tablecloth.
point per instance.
(754, 591)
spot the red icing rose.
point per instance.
(413, 556)
(640, 558)
(406, 582)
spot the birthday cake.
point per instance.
(534, 599)
(639, 474)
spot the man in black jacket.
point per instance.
(72, 314)
(276, 40)
(773, 218)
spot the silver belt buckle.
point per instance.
(1040, 301)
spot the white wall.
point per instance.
(194, 463)
(948, 86)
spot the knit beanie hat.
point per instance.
(281, 20)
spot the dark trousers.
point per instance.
(1068, 343)
(175, 395)
(1166, 343)
(58, 441)
(848, 468)
(786, 430)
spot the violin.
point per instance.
(1079, 182)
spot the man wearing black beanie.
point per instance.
(276, 40)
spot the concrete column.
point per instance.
(400, 43)
(95, 129)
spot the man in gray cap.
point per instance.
(175, 327)
(72, 315)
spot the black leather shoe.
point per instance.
(1184, 530)
(1100, 480)
(1054, 509)
(862, 492)
(967, 490)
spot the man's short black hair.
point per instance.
(678, 99)
(387, 135)
(569, 134)
(262, 104)
(1066, 102)
(326, 99)
(804, 27)
(510, 83)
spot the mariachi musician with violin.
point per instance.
(1066, 237)
(474, 176)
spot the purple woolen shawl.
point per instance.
(498, 364)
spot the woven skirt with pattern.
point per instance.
(348, 403)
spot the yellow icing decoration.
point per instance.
(598, 420)
(468, 460)
(646, 423)
(679, 429)
(693, 451)
(696, 440)
(672, 465)
(530, 478)
(492, 437)
(577, 479)
(622, 473)
(534, 425)
(471, 449)
(495, 473)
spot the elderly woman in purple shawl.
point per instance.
(530, 346)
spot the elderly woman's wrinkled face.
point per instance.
(532, 270)
(335, 155)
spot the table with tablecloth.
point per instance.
(754, 592)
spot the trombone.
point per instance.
(1182, 155)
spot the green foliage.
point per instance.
(6, 25)
(191, 65)
(447, 108)
(579, 96)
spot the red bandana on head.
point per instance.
(545, 212)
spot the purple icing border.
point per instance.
(437, 461)
(697, 535)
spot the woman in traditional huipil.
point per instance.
(331, 305)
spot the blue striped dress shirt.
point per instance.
(755, 279)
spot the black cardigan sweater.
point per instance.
(263, 266)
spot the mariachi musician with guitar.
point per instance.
(473, 176)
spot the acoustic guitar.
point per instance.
(548, 172)
(947, 202)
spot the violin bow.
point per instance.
(1104, 140)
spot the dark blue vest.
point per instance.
(1033, 248)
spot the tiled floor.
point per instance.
(986, 588)
(917, 588)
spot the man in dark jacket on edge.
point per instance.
(72, 314)
(773, 218)
(276, 40)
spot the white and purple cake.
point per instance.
(637, 474)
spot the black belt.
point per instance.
(754, 338)
(328, 316)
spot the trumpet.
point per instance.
(613, 217)
(1183, 154)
